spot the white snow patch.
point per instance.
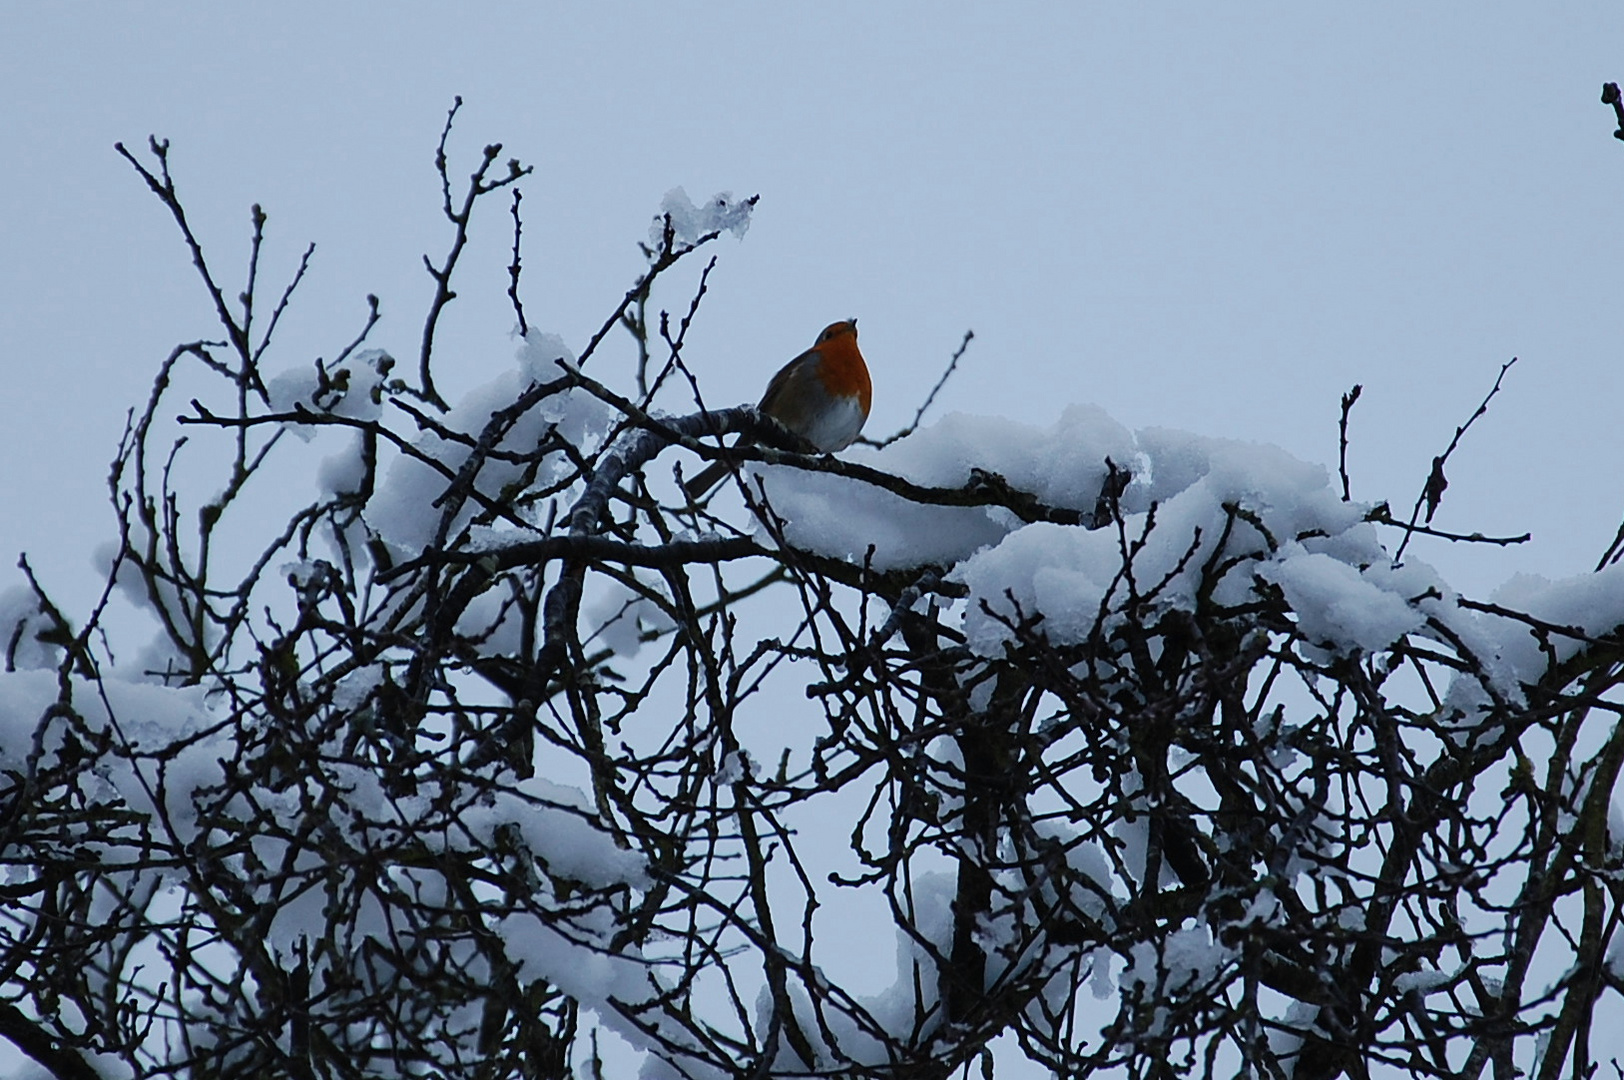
(719, 213)
(1337, 606)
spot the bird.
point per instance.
(823, 395)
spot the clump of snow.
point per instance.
(1188, 958)
(1189, 495)
(833, 516)
(1267, 521)
(1587, 605)
(932, 910)
(140, 716)
(1062, 465)
(1054, 570)
(354, 689)
(719, 213)
(22, 627)
(1615, 958)
(543, 356)
(559, 827)
(1567, 614)
(353, 389)
(619, 616)
(1423, 981)
(24, 698)
(492, 620)
(407, 511)
(343, 473)
(1338, 605)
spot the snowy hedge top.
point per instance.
(1195, 502)
(1197, 508)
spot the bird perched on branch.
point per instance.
(822, 395)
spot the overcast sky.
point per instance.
(1215, 217)
(1211, 217)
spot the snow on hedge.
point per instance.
(1274, 524)
(1193, 499)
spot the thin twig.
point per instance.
(1348, 400)
(919, 414)
(459, 217)
(1614, 550)
(163, 186)
(1432, 492)
(1383, 515)
(1611, 96)
(513, 267)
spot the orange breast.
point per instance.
(843, 371)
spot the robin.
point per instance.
(822, 395)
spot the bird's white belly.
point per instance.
(836, 427)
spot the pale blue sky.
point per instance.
(1212, 217)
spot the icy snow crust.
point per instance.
(1194, 501)
(720, 213)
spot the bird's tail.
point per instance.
(705, 479)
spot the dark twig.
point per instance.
(764, 436)
(1610, 96)
(163, 186)
(356, 342)
(1432, 492)
(1544, 626)
(539, 552)
(31, 1038)
(1614, 550)
(667, 255)
(1383, 515)
(1348, 400)
(646, 389)
(513, 267)
(478, 186)
(287, 294)
(919, 414)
